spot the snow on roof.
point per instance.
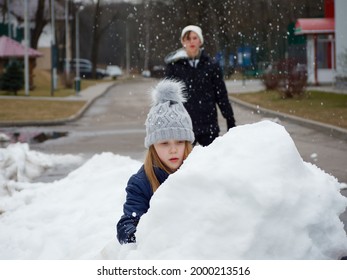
(11, 48)
(314, 26)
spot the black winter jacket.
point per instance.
(139, 193)
(205, 88)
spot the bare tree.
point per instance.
(96, 37)
(41, 19)
(227, 25)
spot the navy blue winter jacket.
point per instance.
(205, 88)
(139, 193)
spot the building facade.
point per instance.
(326, 45)
(341, 43)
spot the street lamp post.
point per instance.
(53, 52)
(77, 27)
(127, 43)
(26, 54)
(67, 43)
(243, 59)
(146, 8)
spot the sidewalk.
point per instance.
(89, 94)
(244, 86)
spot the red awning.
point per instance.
(11, 48)
(314, 26)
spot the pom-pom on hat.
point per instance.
(168, 119)
(195, 29)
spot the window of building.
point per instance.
(325, 52)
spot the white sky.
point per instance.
(249, 195)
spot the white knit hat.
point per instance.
(168, 119)
(195, 29)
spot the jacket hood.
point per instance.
(178, 55)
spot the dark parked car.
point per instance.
(158, 71)
(86, 68)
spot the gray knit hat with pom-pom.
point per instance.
(168, 119)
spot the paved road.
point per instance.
(115, 123)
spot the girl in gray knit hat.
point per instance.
(169, 138)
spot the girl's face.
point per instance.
(171, 153)
(192, 44)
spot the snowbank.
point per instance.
(249, 195)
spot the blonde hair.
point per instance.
(152, 160)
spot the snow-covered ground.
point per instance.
(249, 195)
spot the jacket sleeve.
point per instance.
(222, 99)
(169, 73)
(136, 204)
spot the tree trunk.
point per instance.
(95, 41)
(40, 22)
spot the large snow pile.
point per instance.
(249, 195)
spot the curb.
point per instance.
(89, 103)
(59, 121)
(333, 131)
